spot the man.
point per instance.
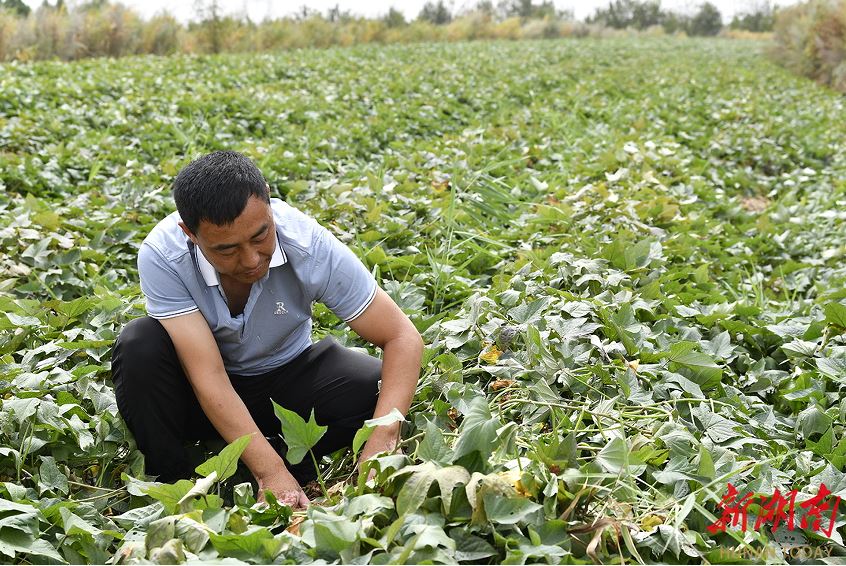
(229, 281)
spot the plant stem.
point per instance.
(319, 475)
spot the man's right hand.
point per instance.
(200, 356)
(286, 489)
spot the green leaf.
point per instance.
(169, 494)
(140, 517)
(433, 447)
(813, 420)
(334, 533)
(705, 371)
(225, 464)
(300, 436)
(477, 434)
(22, 320)
(715, 426)
(50, 478)
(195, 535)
(415, 488)
(14, 542)
(837, 456)
(431, 536)
(257, 544)
(170, 552)
(706, 463)
(75, 525)
(623, 255)
(469, 547)
(835, 314)
(823, 446)
(448, 479)
(833, 367)
(368, 504)
(510, 510)
(370, 425)
(159, 532)
(332, 536)
(529, 312)
(553, 451)
(720, 347)
(613, 458)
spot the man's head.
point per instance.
(216, 187)
(223, 200)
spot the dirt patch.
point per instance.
(756, 204)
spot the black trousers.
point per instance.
(159, 407)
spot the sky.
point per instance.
(261, 9)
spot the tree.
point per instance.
(622, 14)
(527, 9)
(435, 12)
(335, 14)
(647, 14)
(303, 13)
(674, 22)
(707, 21)
(760, 16)
(211, 22)
(394, 18)
(60, 5)
(486, 8)
(16, 6)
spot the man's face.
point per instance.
(241, 250)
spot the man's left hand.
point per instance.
(382, 439)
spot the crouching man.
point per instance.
(229, 280)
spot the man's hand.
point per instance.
(383, 324)
(200, 356)
(286, 489)
(382, 439)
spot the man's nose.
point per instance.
(251, 260)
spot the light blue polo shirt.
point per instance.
(308, 265)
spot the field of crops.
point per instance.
(626, 258)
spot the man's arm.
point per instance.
(383, 324)
(200, 358)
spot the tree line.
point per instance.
(97, 28)
(757, 16)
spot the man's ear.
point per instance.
(188, 233)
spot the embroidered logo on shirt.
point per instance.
(280, 308)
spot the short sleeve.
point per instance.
(338, 278)
(166, 295)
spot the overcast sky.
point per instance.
(262, 9)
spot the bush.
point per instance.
(162, 35)
(810, 39)
(8, 24)
(110, 31)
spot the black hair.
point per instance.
(216, 187)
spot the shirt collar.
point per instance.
(210, 275)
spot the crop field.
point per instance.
(627, 259)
